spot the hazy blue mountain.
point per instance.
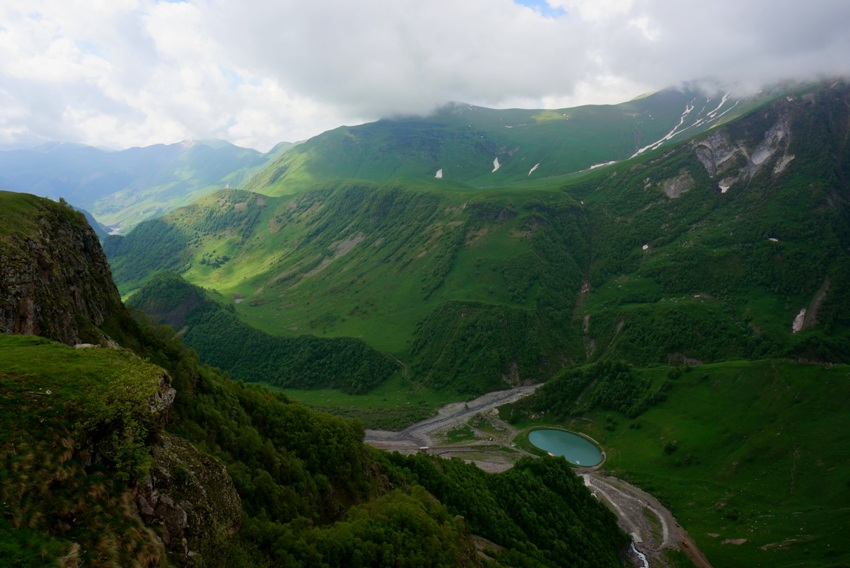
(129, 186)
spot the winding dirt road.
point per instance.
(457, 413)
(651, 526)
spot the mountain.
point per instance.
(132, 453)
(481, 147)
(251, 355)
(123, 188)
(704, 251)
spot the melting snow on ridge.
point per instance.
(496, 165)
(534, 168)
(713, 113)
(603, 164)
(439, 174)
(688, 108)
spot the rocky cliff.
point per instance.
(54, 278)
(121, 491)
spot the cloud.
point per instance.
(256, 72)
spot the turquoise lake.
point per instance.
(576, 450)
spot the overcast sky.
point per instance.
(121, 73)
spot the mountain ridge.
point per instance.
(585, 269)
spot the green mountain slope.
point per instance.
(388, 265)
(702, 252)
(251, 355)
(483, 147)
(141, 456)
(747, 454)
(713, 250)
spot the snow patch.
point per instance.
(688, 109)
(534, 168)
(713, 113)
(602, 165)
(798, 321)
(439, 174)
(773, 240)
(496, 165)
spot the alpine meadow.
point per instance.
(334, 353)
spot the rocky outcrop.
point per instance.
(54, 278)
(189, 498)
(721, 155)
(676, 186)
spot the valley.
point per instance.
(614, 287)
(669, 277)
(488, 442)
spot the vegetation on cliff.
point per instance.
(94, 474)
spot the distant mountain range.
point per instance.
(124, 188)
(460, 143)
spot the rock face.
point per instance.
(189, 497)
(738, 160)
(55, 282)
(54, 278)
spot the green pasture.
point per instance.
(752, 451)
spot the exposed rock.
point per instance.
(54, 279)
(718, 154)
(676, 186)
(714, 152)
(162, 399)
(189, 497)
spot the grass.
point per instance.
(393, 405)
(462, 434)
(744, 450)
(18, 212)
(58, 406)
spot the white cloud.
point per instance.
(256, 72)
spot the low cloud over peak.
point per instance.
(255, 72)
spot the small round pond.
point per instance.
(576, 450)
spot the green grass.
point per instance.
(462, 434)
(58, 405)
(393, 405)
(18, 212)
(744, 450)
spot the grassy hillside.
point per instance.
(483, 147)
(747, 455)
(142, 457)
(60, 404)
(385, 264)
(247, 354)
(702, 252)
(78, 439)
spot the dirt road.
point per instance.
(420, 434)
(651, 526)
